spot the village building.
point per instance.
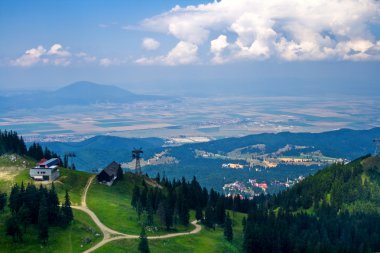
(109, 174)
(46, 170)
(232, 165)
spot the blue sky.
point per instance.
(270, 47)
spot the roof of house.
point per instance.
(42, 161)
(111, 169)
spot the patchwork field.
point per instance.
(209, 118)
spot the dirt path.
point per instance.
(110, 235)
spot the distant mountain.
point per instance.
(79, 93)
(100, 150)
(344, 143)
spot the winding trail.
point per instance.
(110, 235)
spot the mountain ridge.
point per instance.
(81, 93)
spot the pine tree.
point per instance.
(209, 217)
(158, 178)
(32, 201)
(244, 222)
(65, 161)
(168, 215)
(149, 208)
(143, 197)
(198, 213)
(43, 231)
(161, 212)
(120, 173)
(135, 196)
(228, 232)
(184, 214)
(15, 199)
(24, 216)
(67, 213)
(220, 211)
(13, 229)
(3, 201)
(53, 205)
(143, 244)
(47, 153)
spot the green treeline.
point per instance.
(173, 200)
(335, 210)
(39, 207)
(11, 143)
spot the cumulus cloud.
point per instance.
(56, 55)
(150, 44)
(58, 50)
(86, 57)
(217, 47)
(183, 53)
(30, 57)
(289, 30)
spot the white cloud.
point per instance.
(105, 62)
(289, 30)
(56, 55)
(183, 53)
(30, 57)
(86, 57)
(57, 50)
(61, 62)
(217, 47)
(150, 44)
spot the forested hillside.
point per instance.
(335, 210)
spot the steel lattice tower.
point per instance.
(136, 154)
(377, 146)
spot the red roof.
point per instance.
(42, 161)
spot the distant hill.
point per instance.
(79, 93)
(100, 150)
(354, 187)
(344, 143)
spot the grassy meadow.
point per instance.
(113, 206)
(207, 240)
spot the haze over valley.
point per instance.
(71, 114)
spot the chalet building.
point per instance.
(109, 174)
(46, 170)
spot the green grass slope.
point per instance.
(207, 240)
(113, 206)
(15, 169)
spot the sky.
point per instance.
(270, 47)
